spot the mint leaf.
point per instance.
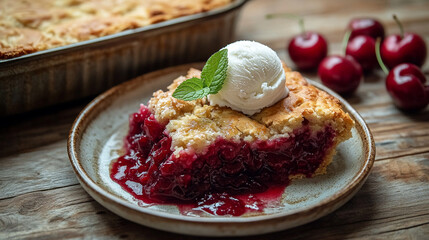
(212, 79)
(191, 89)
(214, 72)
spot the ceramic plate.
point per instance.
(96, 139)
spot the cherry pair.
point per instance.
(402, 53)
(344, 77)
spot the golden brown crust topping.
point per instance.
(196, 124)
(30, 26)
(166, 107)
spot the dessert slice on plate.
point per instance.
(263, 127)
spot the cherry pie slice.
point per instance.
(178, 151)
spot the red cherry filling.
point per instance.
(150, 172)
(222, 204)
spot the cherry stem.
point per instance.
(301, 24)
(401, 28)
(346, 41)
(378, 55)
(288, 15)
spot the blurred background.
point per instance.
(328, 17)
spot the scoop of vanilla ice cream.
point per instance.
(255, 78)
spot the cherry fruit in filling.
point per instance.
(151, 172)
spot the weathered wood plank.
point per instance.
(393, 200)
(38, 128)
(400, 139)
(45, 168)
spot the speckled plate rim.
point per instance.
(324, 207)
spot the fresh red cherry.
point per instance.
(405, 84)
(362, 49)
(407, 49)
(403, 48)
(341, 74)
(307, 50)
(366, 26)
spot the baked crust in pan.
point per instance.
(30, 26)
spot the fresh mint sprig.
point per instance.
(213, 76)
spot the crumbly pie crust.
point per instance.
(30, 26)
(195, 124)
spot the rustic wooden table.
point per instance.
(40, 197)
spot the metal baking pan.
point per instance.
(87, 68)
